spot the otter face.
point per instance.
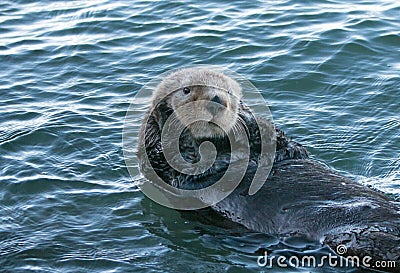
(207, 112)
(205, 102)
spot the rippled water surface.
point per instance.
(330, 71)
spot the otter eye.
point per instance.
(186, 90)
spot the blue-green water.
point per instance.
(330, 71)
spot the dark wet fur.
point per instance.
(285, 149)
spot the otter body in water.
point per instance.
(300, 197)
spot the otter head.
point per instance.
(204, 101)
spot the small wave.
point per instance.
(12, 130)
(389, 184)
(391, 39)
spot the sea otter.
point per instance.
(300, 197)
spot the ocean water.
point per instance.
(329, 70)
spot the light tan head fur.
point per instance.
(203, 95)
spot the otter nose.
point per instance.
(216, 99)
(215, 105)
